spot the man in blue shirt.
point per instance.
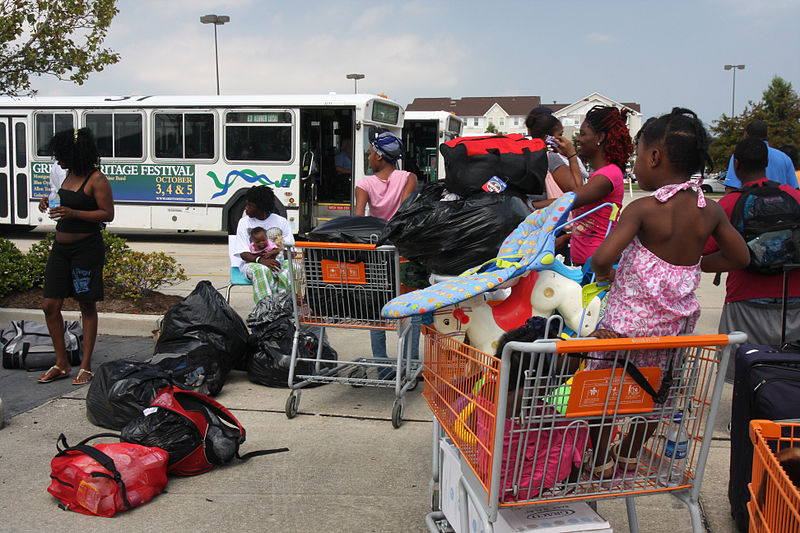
(780, 168)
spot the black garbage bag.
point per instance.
(448, 237)
(273, 327)
(269, 364)
(270, 309)
(199, 370)
(202, 335)
(349, 229)
(121, 389)
(165, 429)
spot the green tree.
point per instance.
(491, 128)
(779, 107)
(62, 38)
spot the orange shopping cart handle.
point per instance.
(640, 343)
(335, 245)
(767, 428)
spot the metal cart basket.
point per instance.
(527, 425)
(345, 286)
(774, 504)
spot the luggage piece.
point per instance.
(104, 479)
(767, 386)
(27, 344)
(471, 161)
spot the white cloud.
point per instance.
(601, 38)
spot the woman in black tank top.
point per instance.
(75, 265)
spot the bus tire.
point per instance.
(237, 210)
(235, 214)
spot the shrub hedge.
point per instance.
(127, 274)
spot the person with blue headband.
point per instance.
(384, 190)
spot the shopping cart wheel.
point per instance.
(358, 373)
(435, 500)
(397, 413)
(413, 385)
(292, 402)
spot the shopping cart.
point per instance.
(345, 286)
(774, 505)
(526, 424)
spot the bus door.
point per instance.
(14, 191)
(326, 142)
(421, 142)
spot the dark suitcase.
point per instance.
(767, 386)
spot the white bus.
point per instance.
(423, 132)
(185, 162)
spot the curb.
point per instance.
(122, 324)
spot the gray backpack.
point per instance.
(27, 344)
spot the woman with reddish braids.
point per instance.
(605, 142)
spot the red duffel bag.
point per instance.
(520, 162)
(107, 478)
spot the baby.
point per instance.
(260, 243)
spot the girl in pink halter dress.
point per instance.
(660, 239)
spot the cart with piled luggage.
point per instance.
(525, 424)
(345, 285)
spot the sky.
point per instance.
(658, 54)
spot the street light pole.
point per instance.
(216, 20)
(733, 95)
(355, 78)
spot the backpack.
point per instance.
(104, 479)
(196, 431)
(769, 220)
(27, 344)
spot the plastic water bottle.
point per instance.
(54, 200)
(673, 462)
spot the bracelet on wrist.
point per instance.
(573, 155)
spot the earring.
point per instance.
(598, 143)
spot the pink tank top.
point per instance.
(385, 196)
(590, 231)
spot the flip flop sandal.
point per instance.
(624, 464)
(59, 374)
(81, 372)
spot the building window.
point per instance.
(516, 121)
(475, 121)
(502, 121)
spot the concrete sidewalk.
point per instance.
(347, 469)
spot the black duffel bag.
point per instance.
(470, 162)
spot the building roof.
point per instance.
(476, 106)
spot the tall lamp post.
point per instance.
(216, 20)
(355, 78)
(734, 68)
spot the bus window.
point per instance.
(184, 135)
(258, 136)
(48, 124)
(199, 135)
(118, 135)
